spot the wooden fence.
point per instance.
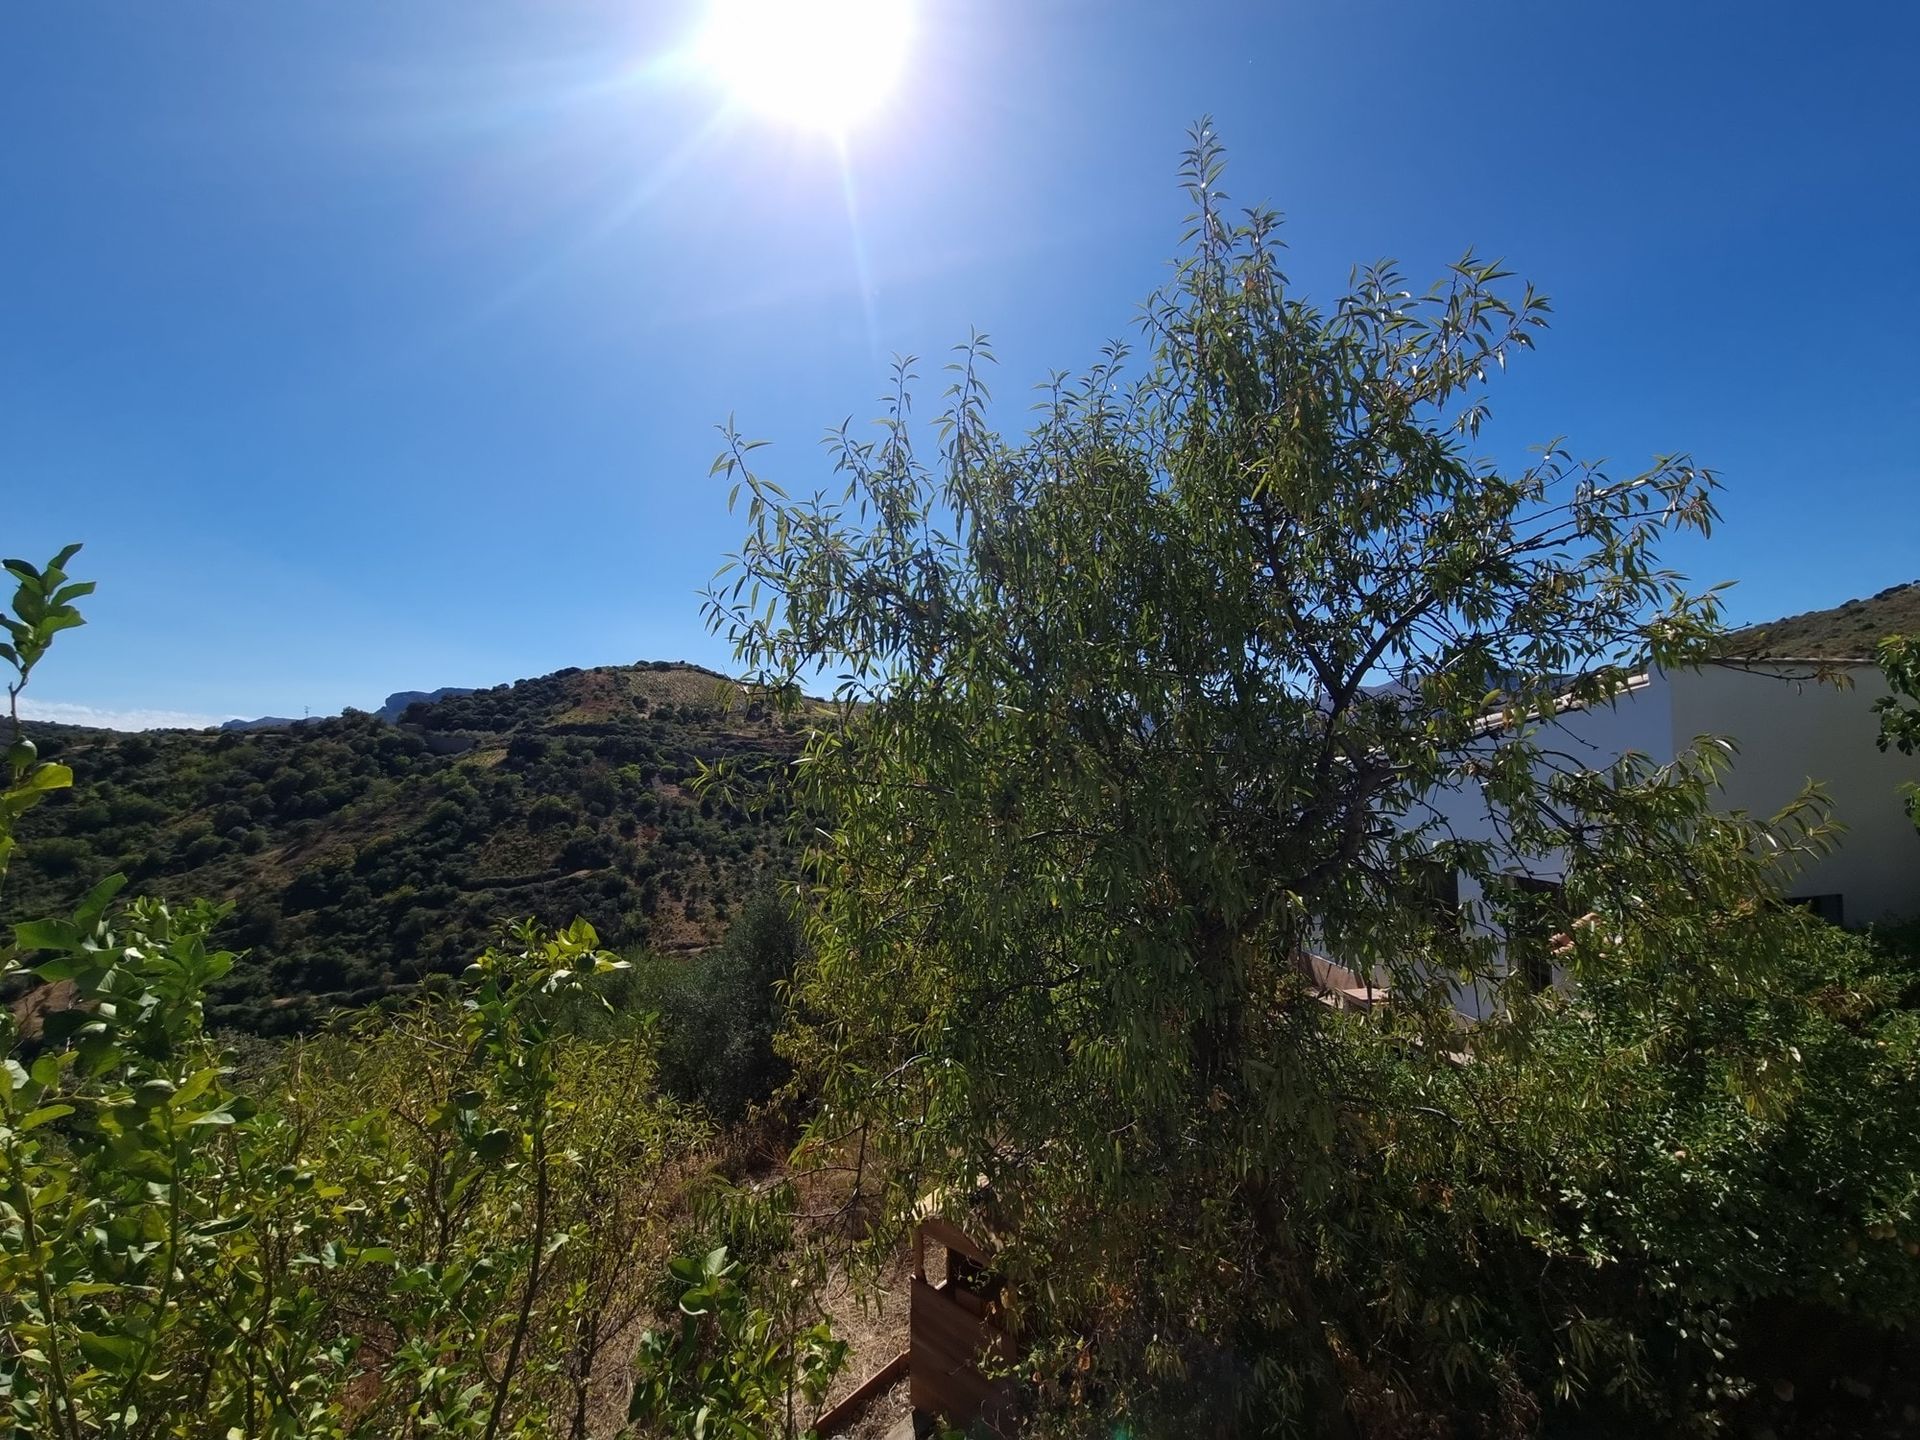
(953, 1330)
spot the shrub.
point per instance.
(721, 1010)
(57, 856)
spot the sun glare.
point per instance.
(824, 64)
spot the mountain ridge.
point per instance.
(390, 709)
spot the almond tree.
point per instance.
(1133, 709)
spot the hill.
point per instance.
(362, 855)
(1848, 631)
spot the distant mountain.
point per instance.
(396, 705)
(363, 852)
(1848, 631)
(266, 722)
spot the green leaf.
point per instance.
(46, 935)
(109, 1352)
(55, 1028)
(67, 594)
(223, 1226)
(54, 624)
(193, 1086)
(89, 911)
(46, 776)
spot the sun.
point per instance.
(822, 64)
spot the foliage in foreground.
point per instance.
(1221, 664)
(427, 1225)
(1900, 711)
(1640, 1199)
(727, 1367)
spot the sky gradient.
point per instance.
(376, 346)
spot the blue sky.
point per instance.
(374, 346)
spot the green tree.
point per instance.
(1141, 705)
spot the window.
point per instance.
(1828, 907)
(1436, 891)
(1535, 913)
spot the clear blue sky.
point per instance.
(376, 345)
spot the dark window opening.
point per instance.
(1536, 913)
(1829, 908)
(1436, 892)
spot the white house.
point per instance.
(1789, 723)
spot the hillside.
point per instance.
(361, 855)
(1844, 632)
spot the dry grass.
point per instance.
(616, 692)
(874, 1324)
(882, 1414)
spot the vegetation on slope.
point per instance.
(452, 1217)
(1852, 630)
(360, 857)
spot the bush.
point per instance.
(585, 850)
(152, 1201)
(55, 856)
(548, 811)
(1698, 1195)
(719, 1011)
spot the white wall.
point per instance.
(1789, 730)
(1592, 737)
(1785, 732)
